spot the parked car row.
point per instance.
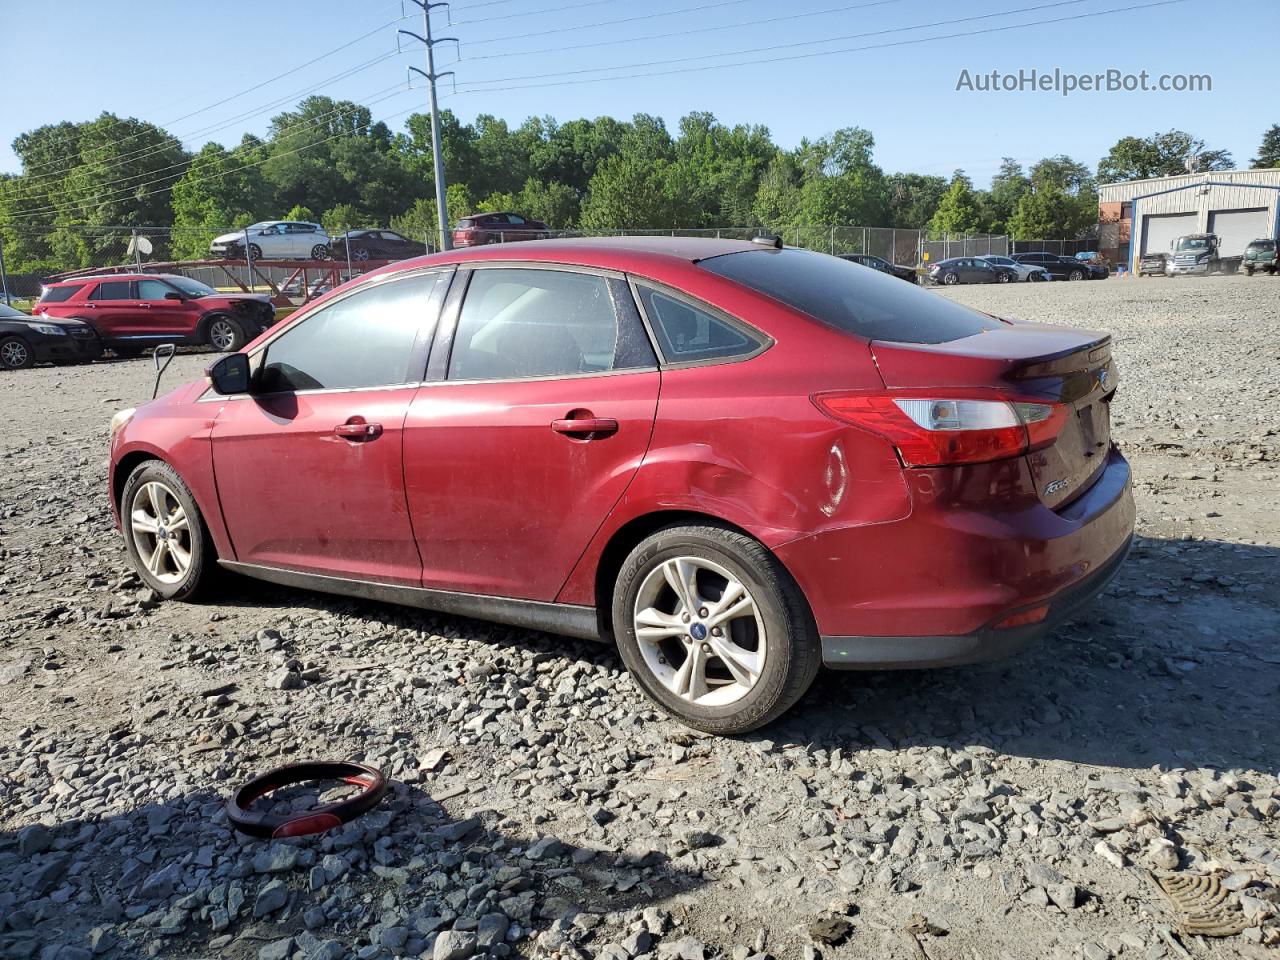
(1022, 267)
(1199, 254)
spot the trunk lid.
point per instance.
(1051, 364)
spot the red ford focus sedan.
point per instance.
(735, 461)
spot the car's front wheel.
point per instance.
(1075, 275)
(164, 533)
(360, 254)
(319, 252)
(226, 335)
(255, 251)
(1004, 277)
(15, 354)
(713, 629)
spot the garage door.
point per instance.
(1238, 227)
(1161, 229)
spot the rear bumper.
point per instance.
(977, 548)
(913, 653)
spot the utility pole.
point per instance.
(437, 148)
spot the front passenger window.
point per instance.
(365, 339)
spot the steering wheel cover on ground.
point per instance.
(269, 826)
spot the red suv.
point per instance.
(133, 311)
(481, 228)
(735, 461)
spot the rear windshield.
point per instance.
(59, 294)
(463, 224)
(1262, 245)
(857, 300)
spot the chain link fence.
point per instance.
(33, 254)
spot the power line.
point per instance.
(534, 13)
(610, 23)
(820, 53)
(144, 152)
(131, 192)
(788, 46)
(235, 96)
(684, 33)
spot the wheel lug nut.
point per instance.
(702, 612)
(684, 617)
(706, 648)
(716, 631)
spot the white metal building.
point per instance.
(1237, 205)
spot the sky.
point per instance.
(171, 62)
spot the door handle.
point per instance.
(145, 306)
(599, 425)
(357, 430)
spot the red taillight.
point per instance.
(933, 431)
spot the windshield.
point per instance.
(1192, 245)
(192, 288)
(1262, 245)
(866, 303)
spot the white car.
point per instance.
(1026, 271)
(274, 240)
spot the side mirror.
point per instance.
(173, 295)
(230, 375)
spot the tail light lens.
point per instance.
(940, 431)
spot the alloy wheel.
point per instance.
(360, 254)
(699, 631)
(14, 354)
(951, 279)
(161, 532)
(222, 335)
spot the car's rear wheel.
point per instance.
(713, 629)
(360, 254)
(226, 335)
(164, 532)
(15, 354)
(950, 279)
(319, 252)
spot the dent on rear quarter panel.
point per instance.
(744, 443)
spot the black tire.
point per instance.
(951, 279)
(203, 564)
(1248, 271)
(1075, 275)
(16, 353)
(320, 252)
(225, 334)
(360, 254)
(1003, 277)
(255, 251)
(792, 652)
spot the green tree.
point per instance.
(1159, 155)
(1007, 187)
(1269, 153)
(343, 217)
(419, 221)
(957, 210)
(777, 200)
(299, 212)
(1049, 213)
(913, 199)
(728, 163)
(220, 191)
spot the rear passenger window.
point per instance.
(60, 294)
(114, 290)
(517, 324)
(686, 333)
(363, 340)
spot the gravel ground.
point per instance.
(542, 808)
